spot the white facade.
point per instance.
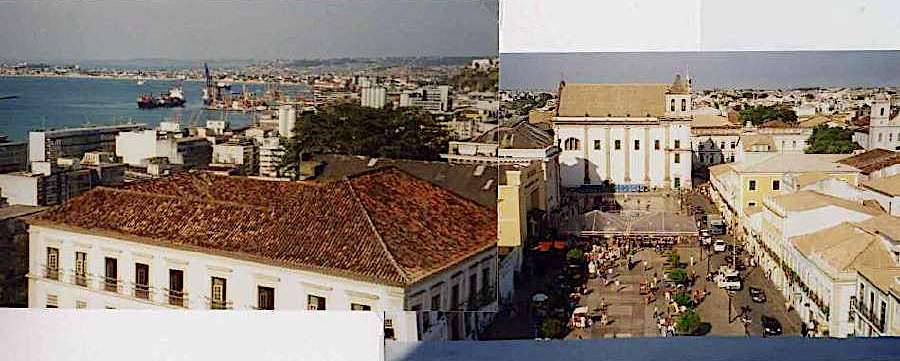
(270, 154)
(645, 151)
(884, 132)
(373, 97)
(287, 120)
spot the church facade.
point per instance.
(634, 135)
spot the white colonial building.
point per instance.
(884, 127)
(200, 241)
(634, 135)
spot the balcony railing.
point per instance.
(177, 298)
(141, 291)
(51, 273)
(80, 279)
(219, 304)
(111, 284)
(869, 315)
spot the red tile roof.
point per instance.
(383, 226)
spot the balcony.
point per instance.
(80, 279)
(141, 291)
(51, 272)
(868, 315)
(111, 284)
(177, 298)
(219, 304)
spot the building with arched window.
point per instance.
(630, 134)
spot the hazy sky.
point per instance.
(194, 29)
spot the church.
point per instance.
(638, 136)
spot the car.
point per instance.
(757, 295)
(719, 246)
(771, 326)
(731, 283)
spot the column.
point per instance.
(587, 158)
(647, 146)
(627, 149)
(668, 164)
(607, 147)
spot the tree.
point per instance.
(355, 130)
(575, 255)
(828, 140)
(551, 328)
(675, 259)
(762, 113)
(678, 276)
(683, 298)
(688, 323)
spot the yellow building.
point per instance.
(521, 196)
(744, 185)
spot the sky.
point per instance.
(268, 29)
(708, 70)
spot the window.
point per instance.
(882, 111)
(389, 329)
(677, 144)
(52, 301)
(79, 304)
(315, 303)
(794, 144)
(176, 287)
(656, 144)
(436, 302)
(218, 294)
(677, 158)
(677, 182)
(81, 269)
(883, 311)
(879, 137)
(53, 263)
(142, 281)
(751, 204)
(597, 144)
(618, 144)
(732, 145)
(572, 144)
(776, 185)
(731, 158)
(473, 284)
(683, 105)
(752, 185)
(485, 278)
(111, 277)
(360, 307)
(265, 298)
(721, 145)
(672, 106)
(637, 144)
(700, 146)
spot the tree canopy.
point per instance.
(762, 113)
(688, 323)
(351, 129)
(828, 140)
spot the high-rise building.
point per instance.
(373, 97)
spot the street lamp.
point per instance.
(730, 297)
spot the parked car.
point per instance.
(771, 326)
(757, 295)
(731, 282)
(719, 246)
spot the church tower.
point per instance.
(881, 110)
(678, 98)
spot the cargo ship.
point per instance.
(173, 98)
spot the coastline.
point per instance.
(136, 78)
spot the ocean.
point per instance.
(72, 102)
(709, 70)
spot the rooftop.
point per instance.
(384, 226)
(887, 185)
(521, 135)
(806, 200)
(795, 163)
(872, 160)
(616, 100)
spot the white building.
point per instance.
(630, 134)
(435, 99)
(74, 142)
(137, 147)
(345, 245)
(883, 131)
(270, 155)
(373, 97)
(241, 152)
(287, 120)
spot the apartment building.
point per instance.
(74, 142)
(378, 241)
